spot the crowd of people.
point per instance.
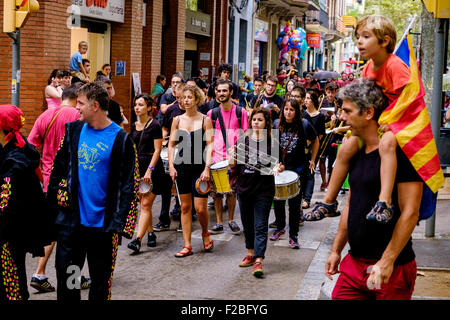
(196, 141)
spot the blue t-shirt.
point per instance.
(76, 58)
(94, 155)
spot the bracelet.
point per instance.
(151, 168)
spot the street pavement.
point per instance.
(155, 274)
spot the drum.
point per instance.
(165, 158)
(287, 185)
(202, 187)
(219, 173)
(144, 188)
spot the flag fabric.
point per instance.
(408, 119)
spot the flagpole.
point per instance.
(406, 32)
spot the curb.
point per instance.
(315, 280)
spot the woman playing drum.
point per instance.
(294, 134)
(255, 187)
(193, 165)
(147, 136)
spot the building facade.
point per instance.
(139, 38)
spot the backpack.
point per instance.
(216, 112)
(428, 203)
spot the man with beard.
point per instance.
(228, 119)
(269, 99)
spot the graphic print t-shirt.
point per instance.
(94, 154)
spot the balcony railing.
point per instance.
(336, 24)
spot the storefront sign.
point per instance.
(261, 30)
(109, 10)
(198, 23)
(313, 40)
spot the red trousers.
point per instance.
(352, 281)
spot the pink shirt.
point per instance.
(54, 136)
(231, 123)
(53, 102)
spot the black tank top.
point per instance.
(191, 146)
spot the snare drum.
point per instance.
(165, 158)
(202, 187)
(219, 173)
(144, 188)
(287, 185)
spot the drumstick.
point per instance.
(178, 194)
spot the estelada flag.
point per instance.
(408, 119)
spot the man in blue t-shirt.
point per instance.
(96, 169)
(76, 66)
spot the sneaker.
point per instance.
(234, 226)
(273, 224)
(258, 269)
(293, 242)
(41, 285)
(135, 245)
(85, 283)
(180, 228)
(211, 205)
(277, 234)
(248, 261)
(151, 239)
(218, 228)
(161, 227)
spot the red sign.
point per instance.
(313, 40)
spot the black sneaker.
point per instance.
(161, 227)
(41, 285)
(211, 205)
(135, 245)
(151, 241)
(85, 283)
(218, 228)
(234, 226)
(180, 228)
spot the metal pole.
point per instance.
(15, 79)
(441, 28)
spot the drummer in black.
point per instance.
(295, 133)
(147, 136)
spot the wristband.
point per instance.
(151, 168)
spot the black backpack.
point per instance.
(215, 114)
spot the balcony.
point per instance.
(317, 21)
(290, 8)
(336, 30)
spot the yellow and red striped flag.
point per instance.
(408, 119)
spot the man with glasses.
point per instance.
(269, 99)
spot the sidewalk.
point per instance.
(432, 257)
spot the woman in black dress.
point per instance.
(147, 136)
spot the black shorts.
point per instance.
(187, 177)
(161, 184)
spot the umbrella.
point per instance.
(322, 75)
